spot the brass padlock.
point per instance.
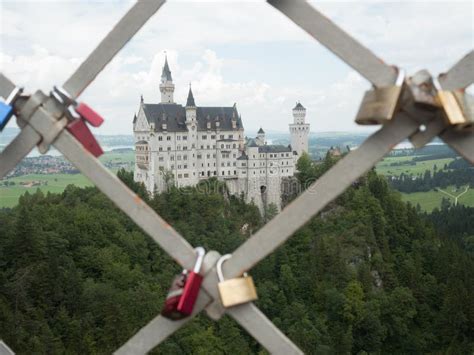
(235, 291)
(380, 103)
(451, 106)
(466, 102)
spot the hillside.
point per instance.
(367, 275)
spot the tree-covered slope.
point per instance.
(367, 275)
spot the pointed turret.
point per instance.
(190, 101)
(191, 113)
(166, 85)
(166, 73)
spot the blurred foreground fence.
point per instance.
(412, 108)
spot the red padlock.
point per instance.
(89, 114)
(192, 286)
(184, 290)
(81, 132)
(82, 109)
(170, 308)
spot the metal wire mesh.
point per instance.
(40, 120)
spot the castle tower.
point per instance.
(166, 85)
(299, 130)
(260, 137)
(190, 108)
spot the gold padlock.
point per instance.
(457, 106)
(380, 103)
(235, 291)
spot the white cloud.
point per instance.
(43, 42)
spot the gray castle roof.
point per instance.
(166, 71)
(190, 100)
(299, 106)
(174, 116)
(274, 149)
(260, 130)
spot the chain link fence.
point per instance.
(43, 120)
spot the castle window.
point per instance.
(208, 156)
(172, 158)
(199, 156)
(178, 147)
(233, 145)
(168, 138)
(204, 137)
(222, 145)
(202, 147)
(185, 147)
(185, 157)
(178, 138)
(221, 136)
(213, 136)
(223, 173)
(160, 158)
(180, 176)
(185, 138)
(215, 173)
(231, 136)
(160, 149)
(186, 175)
(179, 166)
(234, 163)
(193, 146)
(160, 138)
(208, 147)
(214, 146)
(235, 172)
(169, 149)
(185, 166)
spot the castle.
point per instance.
(182, 145)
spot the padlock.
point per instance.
(6, 108)
(83, 110)
(234, 291)
(380, 103)
(184, 290)
(170, 308)
(81, 132)
(452, 103)
(192, 286)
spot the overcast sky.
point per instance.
(230, 51)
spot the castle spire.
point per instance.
(190, 101)
(166, 73)
(166, 85)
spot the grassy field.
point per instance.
(56, 182)
(53, 183)
(432, 199)
(421, 166)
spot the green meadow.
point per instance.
(420, 167)
(9, 195)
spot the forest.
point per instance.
(369, 274)
(458, 173)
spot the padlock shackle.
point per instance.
(436, 84)
(221, 260)
(400, 77)
(63, 96)
(13, 95)
(201, 252)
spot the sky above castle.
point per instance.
(231, 51)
